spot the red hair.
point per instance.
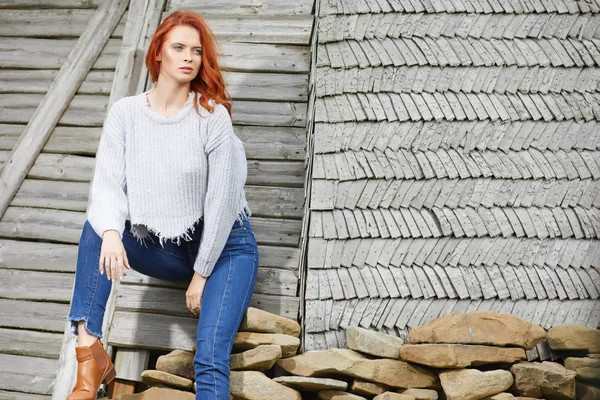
(209, 82)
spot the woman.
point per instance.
(169, 158)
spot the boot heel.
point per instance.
(110, 376)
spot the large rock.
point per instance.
(479, 327)
(500, 396)
(254, 385)
(394, 373)
(471, 384)
(249, 340)
(393, 396)
(549, 380)
(153, 377)
(587, 369)
(459, 355)
(311, 384)
(256, 320)
(337, 395)
(374, 343)
(587, 392)
(177, 362)
(574, 337)
(260, 358)
(420, 394)
(159, 393)
(365, 388)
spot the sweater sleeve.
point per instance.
(227, 171)
(109, 207)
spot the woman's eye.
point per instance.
(198, 51)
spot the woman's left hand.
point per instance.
(193, 295)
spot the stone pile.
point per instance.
(461, 356)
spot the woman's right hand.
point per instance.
(113, 257)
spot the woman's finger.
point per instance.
(101, 264)
(114, 273)
(126, 261)
(120, 268)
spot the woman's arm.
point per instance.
(227, 171)
(108, 208)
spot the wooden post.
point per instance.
(129, 364)
(143, 18)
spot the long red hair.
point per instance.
(209, 82)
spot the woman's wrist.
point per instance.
(108, 231)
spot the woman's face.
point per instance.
(181, 54)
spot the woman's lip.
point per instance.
(186, 68)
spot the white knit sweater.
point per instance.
(167, 173)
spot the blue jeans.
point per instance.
(226, 295)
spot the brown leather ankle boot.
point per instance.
(93, 367)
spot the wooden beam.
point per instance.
(45, 118)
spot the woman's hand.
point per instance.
(113, 258)
(193, 295)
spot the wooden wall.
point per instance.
(456, 164)
(266, 57)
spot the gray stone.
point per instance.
(310, 384)
(374, 343)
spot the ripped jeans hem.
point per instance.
(74, 326)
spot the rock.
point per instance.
(526, 398)
(587, 369)
(260, 321)
(159, 393)
(374, 343)
(261, 358)
(309, 384)
(479, 327)
(254, 385)
(249, 340)
(153, 377)
(367, 388)
(471, 384)
(420, 394)
(393, 396)
(500, 396)
(546, 379)
(594, 355)
(394, 373)
(587, 392)
(574, 337)
(459, 355)
(177, 362)
(337, 395)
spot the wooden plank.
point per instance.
(245, 7)
(260, 142)
(50, 3)
(235, 56)
(4, 395)
(27, 374)
(42, 316)
(35, 285)
(17, 254)
(37, 256)
(73, 196)
(90, 110)
(48, 113)
(171, 301)
(273, 281)
(65, 226)
(52, 23)
(49, 23)
(30, 343)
